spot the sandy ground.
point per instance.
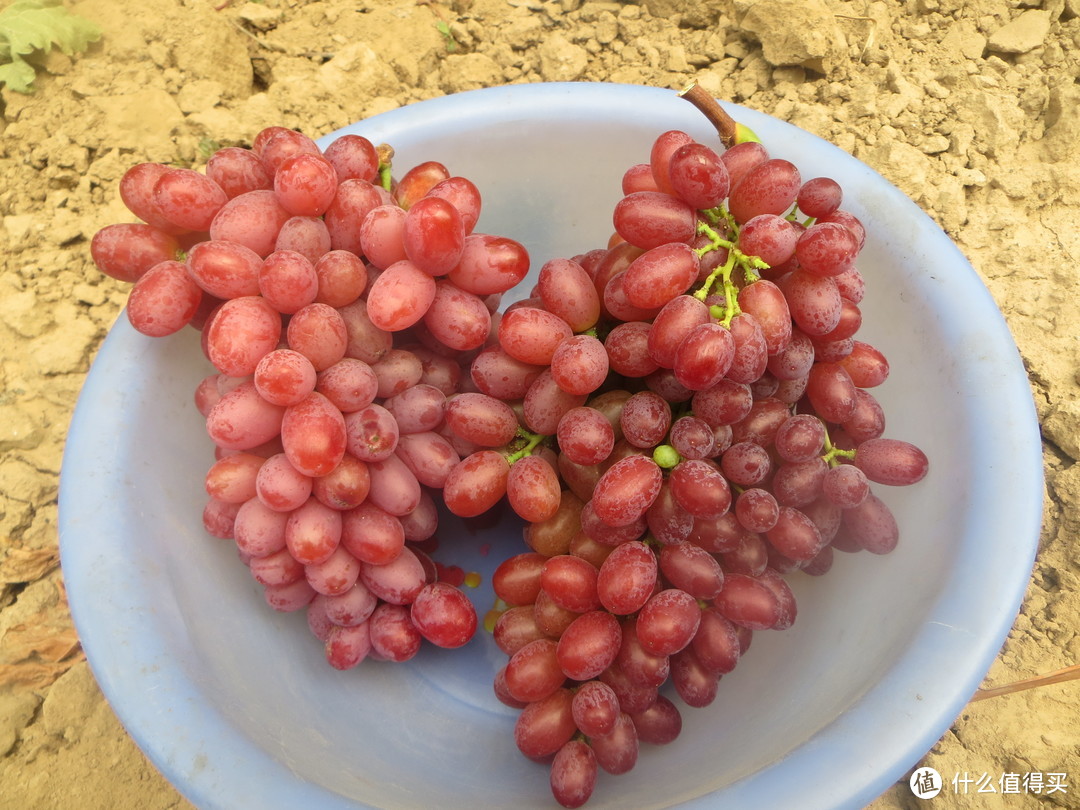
(969, 106)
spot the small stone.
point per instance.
(901, 163)
(1062, 123)
(934, 144)
(1025, 33)
(524, 31)
(964, 39)
(65, 348)
(562, 60)
(21, 427)
(16, 711)
(91, 294)
(379, 105)
(1062, 427)
(201, 94)
(18, 225)
(146, 115)
(469, 71)
(357, 71)
(20, 481)
(19, 311)
(260, 16)
(71, 701)
(794, 32)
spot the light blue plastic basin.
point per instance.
(235, 704)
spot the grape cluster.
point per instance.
(681, 417)
(335, 303)
(714, 433)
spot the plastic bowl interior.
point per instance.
(235, 704)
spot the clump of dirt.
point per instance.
(971, 108)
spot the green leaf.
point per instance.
(38, 25)
(17, 75)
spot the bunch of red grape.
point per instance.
(714, 432)
(681, 417)
(320, 286)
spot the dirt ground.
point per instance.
(970, 106)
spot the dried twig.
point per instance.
(1059, 676)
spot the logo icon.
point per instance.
(925, 783)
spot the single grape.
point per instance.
(795, 535)
(627, 578)
(125, 251)
(400, 296)
(287, 280)
(698, 176)
(531, 335)
(866, 365)
(741, 158)
(891, 461)
(418, 181)
(545, 726)
(567, 291)
(252, 219)
(768, 188)
(704, 356)
(476, 483)
(770, 237)
(490, 264)
(444, 615)
(626, 490)
(532, 488)
(163, 300)
(819, 197)
(660, 274)
(394, 487)
(649, 219)
(826, 249)
(588, 646)
(756, 509)
(305, 184)
(660, 155)
(716, 642)
(695, 683)
(243, 420)
(312, 532)
(236, 170)
(585, 435)
(353, 156)
(187, 199)
(433, 235)
(617, 752)
(845, 485)
(692, 569)
(457, 318)
(573, 774)
(595, 708)
(580, 364)
(627, 348)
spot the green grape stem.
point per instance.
(532, 440)
(833, 454)
(749, 265)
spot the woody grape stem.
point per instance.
(725, 125)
